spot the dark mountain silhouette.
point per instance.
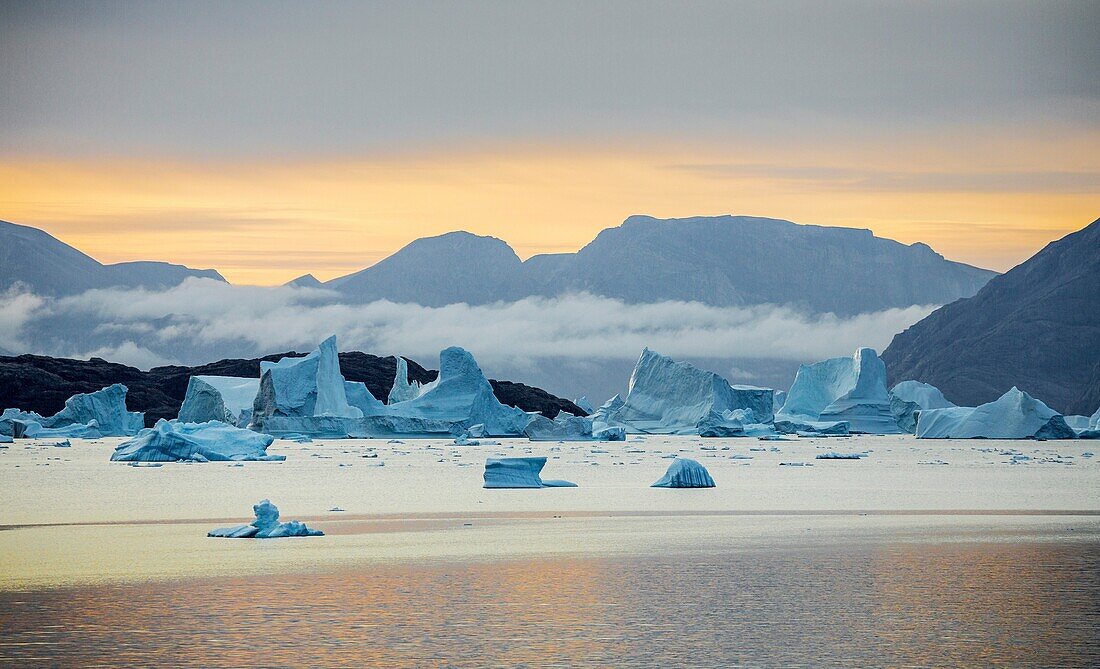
(1036, 327)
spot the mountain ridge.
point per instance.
(1037, 327)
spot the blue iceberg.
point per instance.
(685, 473)
(1015, 415)
(670, 397)
(519, 473)
(910, 397)
(851, 390)
(402, 390)
(266, 526)
(172, 441)
(228, 399)
(87, 415)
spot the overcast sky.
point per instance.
(929, 117)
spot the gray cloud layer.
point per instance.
(202, 320)
(263, 77)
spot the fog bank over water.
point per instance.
(570, 345)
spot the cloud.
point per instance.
(201, 320)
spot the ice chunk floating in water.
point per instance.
(670, 397)
(1016, 415)
(227, 399)
(519, 473)
(171, 441)
(266, 526)
(87, 415)
(685, 473)
(852, 390)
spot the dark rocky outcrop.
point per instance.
(42, 384)
(1036, 327)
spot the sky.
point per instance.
(272, 139)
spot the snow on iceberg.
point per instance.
(685, 473)
(670, 397)
(842, 389)
(228, 399)
(519, 473)
(266, 526)
(909, 397)
(1016, 415)
(171, 441)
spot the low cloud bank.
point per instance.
(202, 320)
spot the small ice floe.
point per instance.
(795, 464)
(395, 441)
(5, 439)
(266, 526)
(1087, 454)
(833, 455)
(146, 464)
(519, 473)
(297, 438)
(465, 440)
(931, 462)
(740, 456)
(685, 473)
(64, 443)
(336, 508)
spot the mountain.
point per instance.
(49, 266)
(42, 383)
(304, 281)
(1036, 327)
(437, 271)
(721, 261)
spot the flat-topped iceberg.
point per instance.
(685, 473)
(565, 427)
(910, 397)
(670, 397)
(228, 399)
(266, 526)
(812, 428)
(171, 441)
(519, 473)
(852, 390)
(1015, 415)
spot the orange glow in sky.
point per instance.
(266, 222)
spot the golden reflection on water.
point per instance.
(864, 605)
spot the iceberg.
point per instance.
(1015, 415)
(107, 407)
(852, 390)
(669, 397)
(309, 396)
(266, 526)
(909, 397)
(519, 473)
(565, 427)
(171, 441)
(812, 428)
(228, 399)
(584, 405)
(685, 473)
(460, 397)
(402, 390)
(13, 422)
(89, 430)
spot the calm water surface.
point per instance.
(969, 604)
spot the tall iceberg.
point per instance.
(228, 399)
(851, 390)
(670, 397)
(1015, 415)
(171, 441)
(460, 397)
(910, 397)
(402, 390)
(305, 395)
